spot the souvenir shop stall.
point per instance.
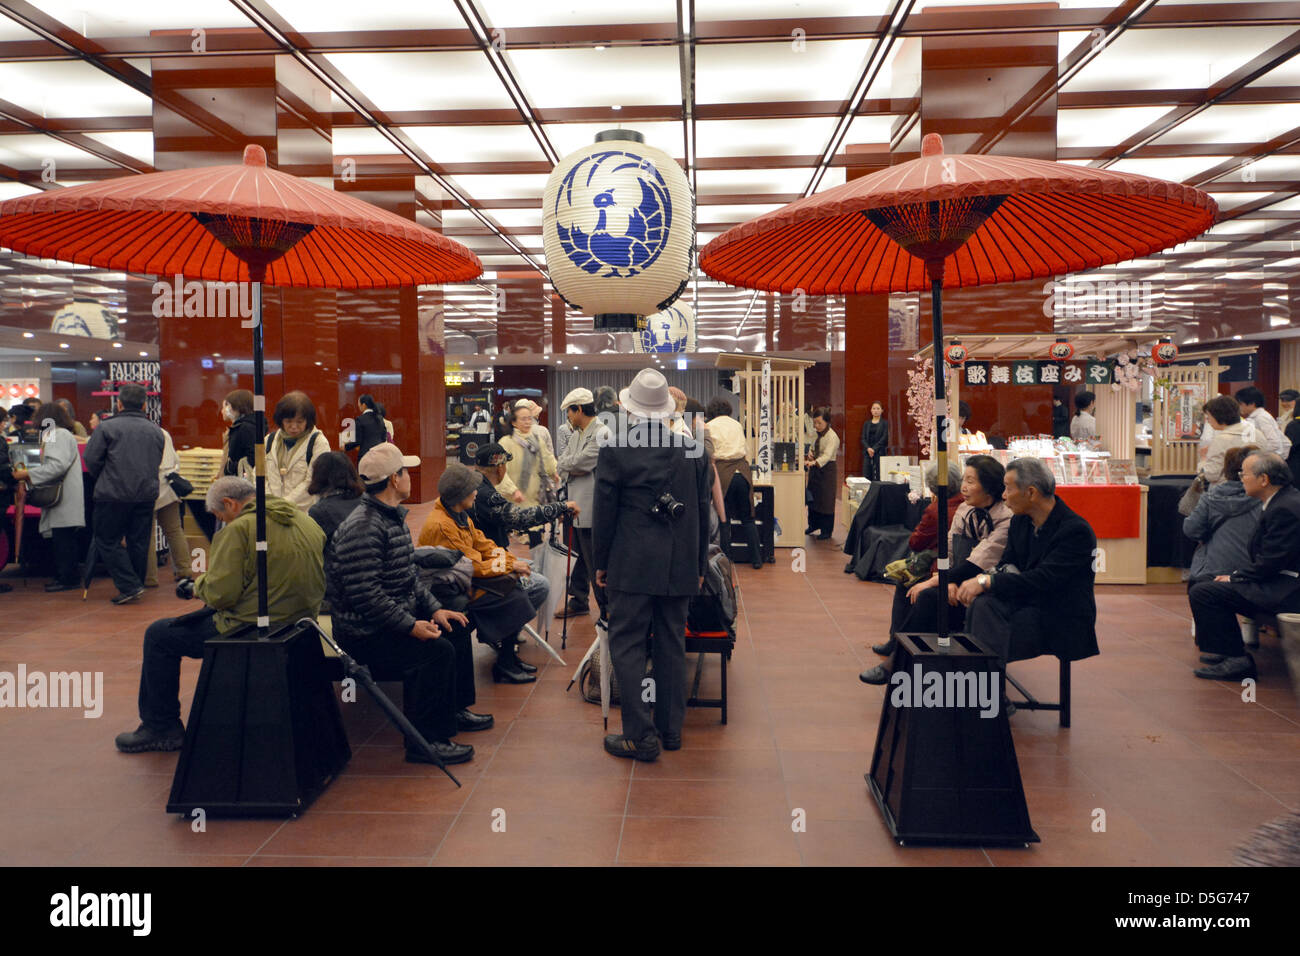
(1098, 478)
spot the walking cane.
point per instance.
(568, 561)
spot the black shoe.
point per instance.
(126, 597)
(848, 568)
(448, 751)
(146, 738)
(1230, 668)
(510, 673)
(671, 741)
(1212, 658)
(526, 667)
(876, 675)
(756, 563)
(886, 649)
(620, 746)
(824, 536)
(572, 610)
(465, 720)
(54, 586)
(808, 531)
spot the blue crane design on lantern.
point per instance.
(672, 330)
(635, 214)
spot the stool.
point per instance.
(1033, 703)
(709, 642)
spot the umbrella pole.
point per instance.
(943, 417)
(256, 274)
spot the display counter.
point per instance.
(1118, 517)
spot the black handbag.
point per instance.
(180, 484)
(46, 496)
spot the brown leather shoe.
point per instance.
(571, 610)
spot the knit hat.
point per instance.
(457, 483)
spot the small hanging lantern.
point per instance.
(1060, 351)
(670, 330)
(618, 227)
(1164, 351)
(955, 354)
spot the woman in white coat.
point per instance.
(167, 513)
(60, 464)
(291, 449)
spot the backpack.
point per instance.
(589, 679)
(714, 608)
(311, 444)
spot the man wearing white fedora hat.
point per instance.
(650, 529)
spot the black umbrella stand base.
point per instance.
(944, 769)
(265, 736)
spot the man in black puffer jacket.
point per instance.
(386, 619)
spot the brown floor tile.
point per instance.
(561, 838)
(868, 843)
(707, 798)
(327, 833)
(733, 840)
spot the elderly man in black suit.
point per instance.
(1271, 583)
(650, 541)
(1039, 600)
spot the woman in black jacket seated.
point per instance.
(976, 540)
(335, 482)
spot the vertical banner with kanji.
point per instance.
(764, 456)
(1185, 406)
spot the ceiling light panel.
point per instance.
(725, 182)
(529, 13)
(139, 17)
(1103, 127)
(629, 76)
(474, 144)
(424, 81)
(566, 137)
(775, 137)
(503, 186)
(31, 152)
(137, 144)
(314, 16)
(1162, 59)
(1174, 170)
(786, 71)
(61, 88)
(1234, 123)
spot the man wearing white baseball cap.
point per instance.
(577, 467)
(386, 619)
(650, 539)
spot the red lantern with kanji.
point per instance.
(955, 354)
(1164, 352)
(1060, 351)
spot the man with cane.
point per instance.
(577, 467)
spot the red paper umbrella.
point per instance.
(956, 221)
(234, 224)
(221, 222)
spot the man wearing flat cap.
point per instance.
(493, 513)
(650, 529)
(386, 619)
(577, 467)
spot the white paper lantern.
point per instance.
(86, 317)
(618, 225)
(670, 330)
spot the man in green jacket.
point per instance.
(295, 586)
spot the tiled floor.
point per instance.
(1184, 769)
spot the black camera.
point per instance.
(667, 508)
(185, 589)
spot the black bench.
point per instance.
(709, 642)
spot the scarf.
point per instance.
(531, 457)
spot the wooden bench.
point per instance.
(709, 642)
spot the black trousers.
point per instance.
(64, 543)
(923, 616)
(1215, 606)
(587, 561)
(822, 522)
(1012, 631)
(165, 643)
(460, 639)
(579, 579)
(631, 617)
(428, 672)
(131, 521)
(739, 506)
(870, 465)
